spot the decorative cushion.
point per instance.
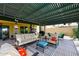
(22, 51)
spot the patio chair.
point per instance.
(53, 41)
(61, 35)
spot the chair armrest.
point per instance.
(53, 42)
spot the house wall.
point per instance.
(12, 24)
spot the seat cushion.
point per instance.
(53, 39)
(42, 44)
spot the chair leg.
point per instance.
(36, 47)
(43, 50)
(46, 46)
(55, 45)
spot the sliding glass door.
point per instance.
(0, 32)
(5, 32)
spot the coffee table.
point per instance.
(42, 44)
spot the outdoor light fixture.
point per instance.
(64, 23)
(16, 21)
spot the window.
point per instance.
(23, 29)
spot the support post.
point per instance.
(78, 25)
(44, 28)
(39, 28)
(78, 31)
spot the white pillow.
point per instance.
(8, 49)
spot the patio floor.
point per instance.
(65, 48)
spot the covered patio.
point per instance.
(42, 14)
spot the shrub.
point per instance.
(76, 32)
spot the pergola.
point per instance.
(41, 13)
